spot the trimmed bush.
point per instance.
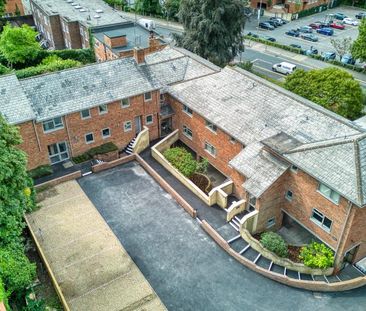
(317, 255)
(274, 243)
(182, 160)
(40, 171)
(102, 149)
(81, 158)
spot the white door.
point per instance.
(137, 125)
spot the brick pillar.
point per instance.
(139, 55)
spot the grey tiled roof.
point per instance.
(252, 110)
(260, 168)
(76, 89)
(14, 104)
(339, 163)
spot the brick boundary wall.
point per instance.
(59, 180)
(188, 208)
(49, 270)
(307, 285)
(107, 165)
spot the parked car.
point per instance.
(340, 16)
(305, 29)
(350, 21)
(311, 51)
(325, 31)
(265, 25)
(279, 19)
(253, 35)
(360, 15)
(268, 38)
(348, 59)
(273, 23)
(329, 55)
(338, 25)
(316, 25)
(292, 33)
(309, 37)
(284, 68)
(296, 46)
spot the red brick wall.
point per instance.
(225, 149)
(75, 129)
(11, 6)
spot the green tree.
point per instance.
(171, 8)
(342, 45)
(16, 197)
(332, 88)
(212, 29)
(2, 7)
(148, 7)
(358, 49)
(18, 44)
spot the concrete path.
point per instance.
(187, 269)
(91, 267)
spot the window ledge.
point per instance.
(326, 229)
(54, 130)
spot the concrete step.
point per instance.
(237, 223)
(251, 254)
(244, 249)
(234, 239)
(234, 226)
(237, 219)
(238, 245)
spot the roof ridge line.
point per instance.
(298, 98)
(358, 171)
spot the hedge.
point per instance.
(299, 51)
(102, 149)
(274, 243)
(182, 160)
(40, 171)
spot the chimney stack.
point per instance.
(139, 55)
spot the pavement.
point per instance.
(187, 269)
(90, 265)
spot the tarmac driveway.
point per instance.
(185, 267)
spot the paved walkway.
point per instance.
(90, 265)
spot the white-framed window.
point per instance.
(149, 119)
(271, 222)
(125, 103)
(187, 132)
(289, 195)
(53, 125)
(187, 110)
(85, 114)
(103, 109)
(329, 193)
(89, 138)
(210, 149)
(127, 126)
(212, 127)
(106, 133)
(147, 96)
(321, 220)
(294, 168)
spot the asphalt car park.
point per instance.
(324, 41)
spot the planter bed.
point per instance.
(202, 182)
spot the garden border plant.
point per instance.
(91, 153)
(299, 51)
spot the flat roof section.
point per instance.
(90, 265)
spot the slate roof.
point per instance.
(14, 104)
(260, 168)
(251, 110)
(72, 90)
(339, 163)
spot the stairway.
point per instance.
(129, 148)
(235, 223)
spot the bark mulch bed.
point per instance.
(293, 253)
(201, 182)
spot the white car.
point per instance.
(284, 68)
(350, 21)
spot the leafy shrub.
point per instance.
(102, 149)
(51, 66)
(40, 171)
(274, 243)
(4, 70)
(202, 166)
(81, 158)
(317, 255)
(248, 66)
(182, 160)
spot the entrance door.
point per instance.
(137, 125)
(251, 204)
(166, 127)
(58, 152)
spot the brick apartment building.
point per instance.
(12, 6)
(282, 7)
(65, 24)
(290, 159)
